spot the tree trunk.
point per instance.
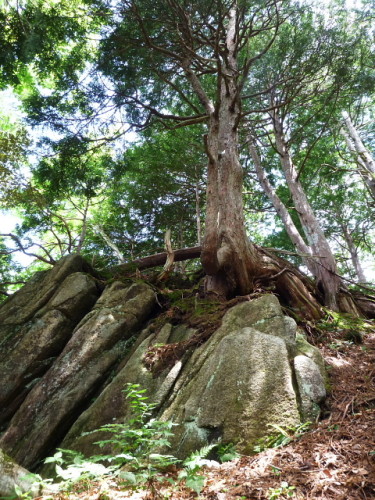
(295, 291)
(326, 270)
(158, 259)
(302, 248)
(366, 163)
(110, 243)
(198, 213)
(228, 258)
(82, 235)
(353, 254)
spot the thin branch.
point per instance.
(21, 247)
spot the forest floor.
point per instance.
(335, 459)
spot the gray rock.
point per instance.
(232, 387)
(312, 352)
(29, 353)
(60, 342)
(22, 305)
(311, 387)
(74, 298)
(243, 388)
(112, 405)
(95, 346)
(13, 475)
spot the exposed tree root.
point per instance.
(296, 291)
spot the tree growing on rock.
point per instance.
(199, 53)
(172, 64)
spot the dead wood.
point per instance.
(158, 259)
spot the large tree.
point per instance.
(301, 87)
(172, 62)
(198, 54)
(165, 64)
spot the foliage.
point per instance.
(7, 271)
(85, 73)
(283, 491)
(227, 452)
(282, 437)
(192, 466)
(138, 441)
(138, 460)
(344, 328)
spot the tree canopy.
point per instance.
(221, 120)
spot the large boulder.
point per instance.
(26, 302)
(234, 387)
(97, 342)
(244, 387)
(31, 349)
(68, 349)
(111, 405)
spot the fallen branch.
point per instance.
(158, 259)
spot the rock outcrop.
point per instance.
(30, 348)
(70, 347)
(233, 387)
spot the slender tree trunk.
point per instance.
(110, 243)
(365, 161)
(326, 268)
(228, 257)
(82, 235)
(198, 213)
(302, 248)
(353, 254)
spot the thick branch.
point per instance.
(168, 266)
(158, 259)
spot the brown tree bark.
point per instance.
(295, 290)
(205, 51)
(158, 259)
(228, 257)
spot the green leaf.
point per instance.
(195, 483)
(128, 476)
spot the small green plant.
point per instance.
(72, 467)
(37, 484)
(192, 466)
(276, 470)
(227, 452)
(137, 441)
(282, 437)
(19, 494)
(349, 328)
(333, 428)
(284, 490)
(136, 461)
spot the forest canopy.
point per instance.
(232, 123)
